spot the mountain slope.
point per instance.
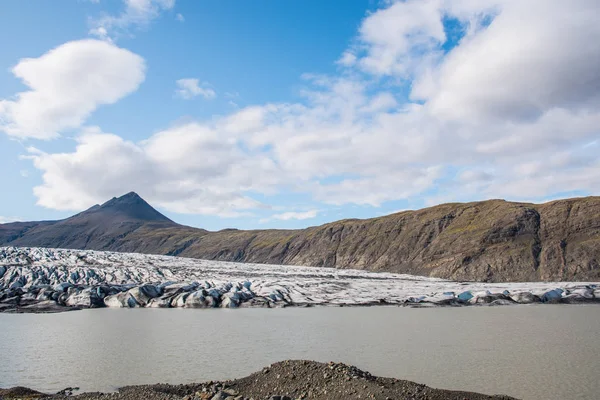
(491, 240)
(99, 227)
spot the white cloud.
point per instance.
(520, 70)
(137, 13)
(180, 17)
(397, 37)
(286, 216)
(186, 169)
(511, 111)
(190, 87)
(66, 85)
(347, 59)
(7, 220)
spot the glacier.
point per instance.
(46, 280)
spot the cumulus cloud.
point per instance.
(515, 70)
(190, 87)
(137, 14)
(185, 169)
(66, 85)
(510, 110)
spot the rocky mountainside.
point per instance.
(492, 240)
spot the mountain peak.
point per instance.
(130, 206)
(129, 198)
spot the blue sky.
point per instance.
(288, 114)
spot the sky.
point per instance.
(287, 114)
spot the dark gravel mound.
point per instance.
(291, 380)
(20, 392)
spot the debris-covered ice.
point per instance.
(39, 279)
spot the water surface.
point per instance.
(530, 352)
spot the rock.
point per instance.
(121, 300)
(416, 299)
(219, 396)
(44, 294)
(487, 298)
(229, 301)
(161, 302)
(552, 296)
(179, 300)
(143, 294)
(61, 287)
(211, 302)
(586, 293)
(578, 295)
(525, 298)
(465, 296)
(12, 300)
(28, 297)
(501, 302)
(196, 300)
(256, 302)
(85, 298)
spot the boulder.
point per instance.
(552, 296)
(179, 300)
(525, 298)
(87, 298)
(61, 287)
(488, 298)
(586, 293)
(211, 302)
(219, 396)
(28, 297)
(256, 302)
(121, 300)
(196, 300)
(229, 301)
(143, 294)
(578, 295)
(11, 300)
(44, 294)
(160, 302)
(465, 296)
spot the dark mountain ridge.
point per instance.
(492, 240)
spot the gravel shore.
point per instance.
(286, 380)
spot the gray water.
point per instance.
(530, 352)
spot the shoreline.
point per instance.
(36, 308)
(285, 380)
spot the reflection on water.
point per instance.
(530, 352)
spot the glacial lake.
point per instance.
(530, 352)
